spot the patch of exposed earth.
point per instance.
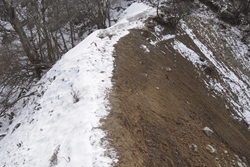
(160, 105)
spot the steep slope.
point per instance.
(169, 85)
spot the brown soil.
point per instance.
(160, 105)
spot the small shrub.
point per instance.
(17, 126)
(208, 69)
(54, 158)
(75, 95)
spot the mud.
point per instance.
(160, 105)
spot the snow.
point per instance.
(145, 48)
(187, 53)
(133, 12)
(159, 37)
(234, 80)
(60, 125)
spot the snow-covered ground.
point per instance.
(60, 124)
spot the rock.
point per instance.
(2, 135)
(208, 131)
(212, 150)
(195, 147)
(168, 69)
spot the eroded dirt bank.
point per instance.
(160, 106)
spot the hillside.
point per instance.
(139, 94)
(169, 85)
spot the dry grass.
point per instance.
(54, 158)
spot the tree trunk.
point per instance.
(16, 24)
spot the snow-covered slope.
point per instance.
(60, 124)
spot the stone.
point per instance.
(208, 131)
(195, 147)
(211, 150)
(168, 69)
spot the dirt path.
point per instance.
(160, 106)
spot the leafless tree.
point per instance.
(35, 33)
(172, 11)
(16, 75)
(12, 16)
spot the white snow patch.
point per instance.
(136, 9)
(187, 53)
(145, 48)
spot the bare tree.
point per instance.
(172, 11)
(12, 17)
(16, 75)
(97, 12)
(40, 32)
